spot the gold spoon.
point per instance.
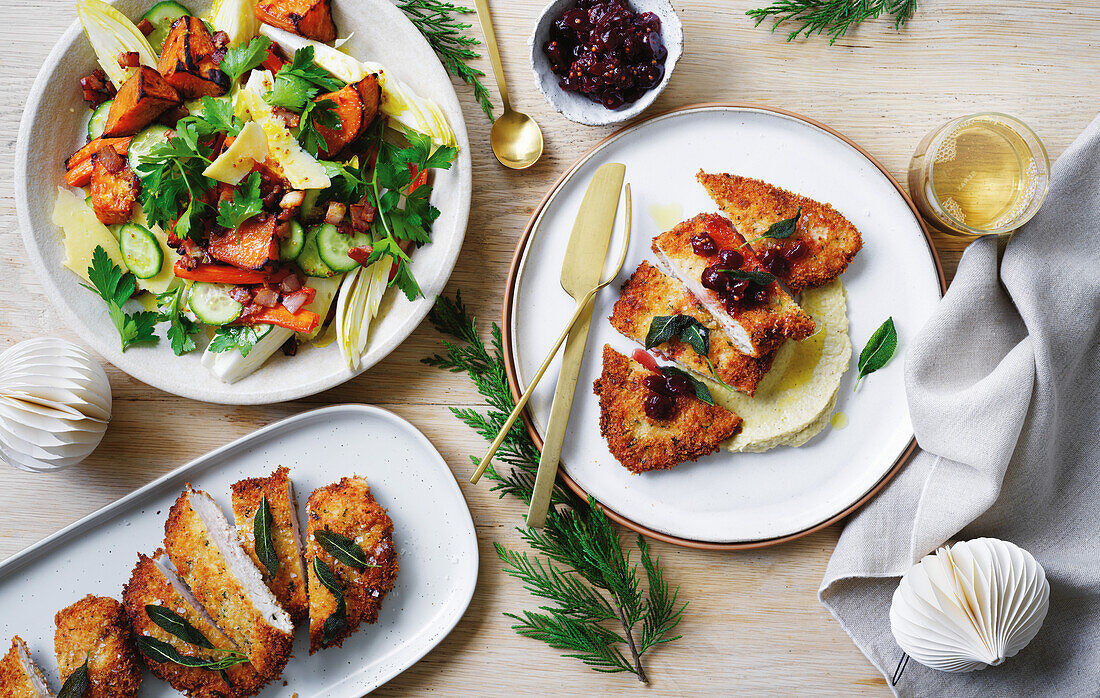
(515, 137)
(585, 300)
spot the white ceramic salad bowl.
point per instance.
(54, 125)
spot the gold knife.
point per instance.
(580, 271)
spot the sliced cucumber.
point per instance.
(291, 247)
(144, 143)
(161, 17)
(212, 304)
(140, 250)
(98, 121)
(309, 203)
(333, 247)
(309, 259)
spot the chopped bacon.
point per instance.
(93, 82)
(96, 87)
(266, 297)
(362, 215)
(361, 254)
(220, 39)
(293, 302)
(110, 159)
(241, 294)
(250, 310)
(290, 284)
(292, 199)
(291, 119)
(145, 27)
(335, 213)
(129, 59)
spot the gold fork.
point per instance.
(585, 300)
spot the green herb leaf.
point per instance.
(879, 349)
(246, 203)
(343, 549)
(685, 328)
(160, 651)
(175, 624)
(172, 180)
(180, 327)
(299, 81)
(262, 523)
(244, 57)
(77, 683)
(337, 622)
(115, 287)
(832, 17)
(446, 34)
(239, 337)
(317, 113)
(218, 114)
(759, 277)
(701, 390)
(780, 230)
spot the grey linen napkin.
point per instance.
(1003, 386)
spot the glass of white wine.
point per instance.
(982, 174)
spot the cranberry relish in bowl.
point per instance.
(603, 61)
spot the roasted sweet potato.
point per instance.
(349, 109)
(119, 144)
(187, 62)
(251, 246)
(113, 194)
(310, 18)
(370, 93)
(142, 98)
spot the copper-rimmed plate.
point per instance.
(728, 500)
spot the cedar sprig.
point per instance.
(593, 592)
(447, 36)
(832, 17)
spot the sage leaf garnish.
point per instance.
(780, 230)
(160, 651)
(343, 549)
(77, 682)
(338, 620)
(175, 624)
(701, 390)
(880, 348)
(683, 327)
(760, 277)
(265, 545)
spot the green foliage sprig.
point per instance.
(832, 17)
(447, 36)
(596, 609)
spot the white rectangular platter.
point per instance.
(433, 534)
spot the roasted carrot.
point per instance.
(121, 145)
(218, 274)
(349, 109)
(142, 98)
(301, 321)
(273, 61)
(81, 175)
(309, 18)
(251, 246)
(187, 62)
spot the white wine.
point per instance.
(979, 174)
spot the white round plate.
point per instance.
(53, 126)
(730, 498)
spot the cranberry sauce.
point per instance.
(606, 51)
(661, 391)
(724, 250)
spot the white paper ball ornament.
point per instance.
(970, 605)
(55, 402)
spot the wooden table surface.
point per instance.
(754, 624)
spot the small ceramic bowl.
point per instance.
(579, 108)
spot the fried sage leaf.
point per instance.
(159, 651)
(265, 544)
(879, 350)
(177, 625)
(338, 620)
(682, 327)
(77, 682)
(780, 230)
(760, 277)
(343, 549)
(701, 390)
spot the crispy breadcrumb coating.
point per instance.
(642, 444)
(97, 628)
